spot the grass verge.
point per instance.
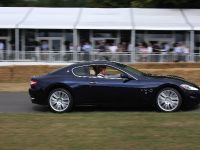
(100, 131)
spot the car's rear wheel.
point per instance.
(168, 100)
(60, 100)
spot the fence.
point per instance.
(73, 56)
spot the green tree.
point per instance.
(109, 3)
(104, 3)
(7, 3)
(166, 3)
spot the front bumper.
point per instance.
(38, 96)
(191, 98)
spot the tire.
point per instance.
(60, 100)
(168, 100)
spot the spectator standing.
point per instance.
(102, 49)
(149, 48)
(71, 47)
(185, 52)
(87, 48)
(120, 49)
(164, 51)
(142, 48)
(156, 51)
(113, 49)
(138, 51)
(130, 47)
(178, 51)
(1, 50)
(124, 47)
(44, 46)
(149, 52)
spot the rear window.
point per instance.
(81, 71)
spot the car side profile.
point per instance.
(104, 83)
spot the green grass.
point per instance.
(100, 131)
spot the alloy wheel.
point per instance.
(168, 100)
(59, 100)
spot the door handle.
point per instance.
(92, 82)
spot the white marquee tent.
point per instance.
(105, 18)
(12, 16)
(159, 19)
(99, 18)
(50, 18)
(193, 17)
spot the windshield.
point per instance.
(132, 70)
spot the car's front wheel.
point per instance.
(168, 100)
(60, 100)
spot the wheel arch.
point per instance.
(169, 85)
(174, 86)
(56, 86)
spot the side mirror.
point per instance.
(125, 76)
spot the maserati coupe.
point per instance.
(120, 86)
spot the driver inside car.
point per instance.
(102, 73)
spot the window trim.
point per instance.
(76, 74)
(72, 70)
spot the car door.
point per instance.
(116, 90)
(82, 84)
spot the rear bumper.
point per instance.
(38, 96)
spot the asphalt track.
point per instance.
(19, 102)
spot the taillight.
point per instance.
(33, 83)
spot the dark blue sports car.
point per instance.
(104, 83)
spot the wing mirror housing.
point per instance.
(126, 76)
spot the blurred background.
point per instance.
(128, 31)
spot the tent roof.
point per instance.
(12, 16)
(159, 19)
(51, 18)
(99, 18)
(105, 18)
(193, 17)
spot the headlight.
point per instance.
(188, 87)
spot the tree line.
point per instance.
(103, 3)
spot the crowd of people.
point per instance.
(102, 46)
(1, 49)
(154, 51)
(161, 51)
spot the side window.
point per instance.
(112, 71)
(107, 72)
(92, 71)
(81, 71)
(99, 71)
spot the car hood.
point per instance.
(168, 77)
(173, 77)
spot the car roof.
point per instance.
(93, 62)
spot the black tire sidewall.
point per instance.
(179, 104)
(69, 108)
